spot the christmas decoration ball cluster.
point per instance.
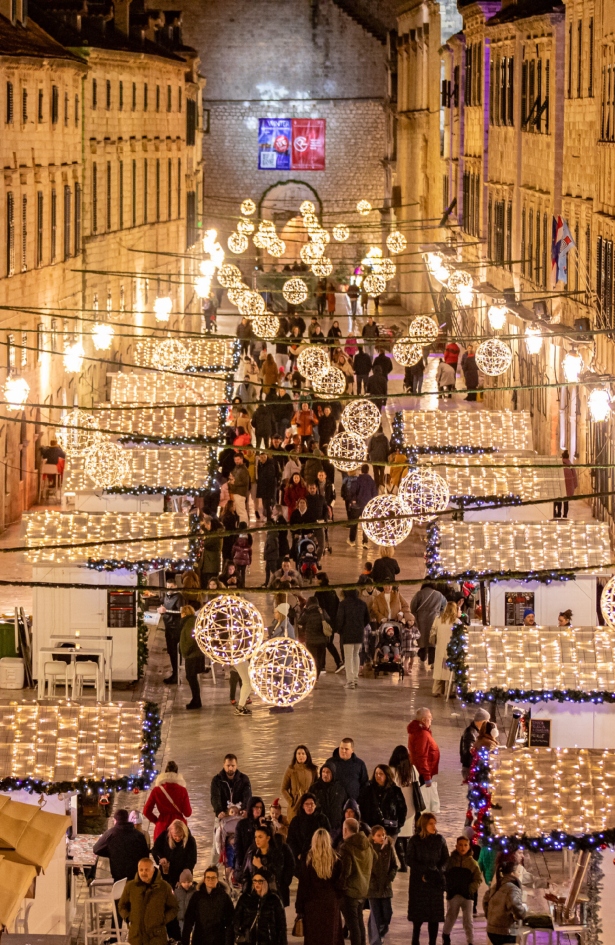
(266, 326)
(423, 330)
(393, 524)
(79, 431)
(347, 451)
(313, 361)
(330, 384)
(107, 464)
(424, 494)
(493, 357)
(361, 417)
(170, 355)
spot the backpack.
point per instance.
(350, 490)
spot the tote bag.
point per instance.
(431, 798)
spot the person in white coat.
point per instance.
(406, 777)
(442, 631)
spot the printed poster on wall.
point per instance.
(291, 144)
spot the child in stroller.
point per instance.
(225, 840)
(307, 558)
(387, 658)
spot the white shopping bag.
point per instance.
(431, 798)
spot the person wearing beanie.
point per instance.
(184, 891)
(468, 739)
(529, 617)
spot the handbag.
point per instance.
(298, 928)
(327, 629)
(431, 797)
(417, 797)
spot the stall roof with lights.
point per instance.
(491, 474)
(532, 664)
(171, 544)
(167, 388)
(174, 424)
(208, 354)
(164, 471)
(465, 430)
(478, 549)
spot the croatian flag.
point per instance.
(561, 245)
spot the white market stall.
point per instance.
(465, 431)
(210, 355)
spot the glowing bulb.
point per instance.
(396, 242)
(248, 207)
(497, 316)
(533, 340)
(572, 365)
(465, 296)
(364, 207)
(73, 358)
(341, 232)
(307, 207)
(599, 403)
(433, 261)
(16, 392)
(202, 286)
(102, 335)
(237, 243)
(163, 306)
(246, 227)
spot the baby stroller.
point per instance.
(387, 658)
(307, 558)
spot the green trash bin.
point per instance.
(7, 639)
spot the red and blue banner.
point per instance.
(288, 144)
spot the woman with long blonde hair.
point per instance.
(441, 633)
(318, 901)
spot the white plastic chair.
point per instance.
(101, 918)
(88, 672)
(54, 672)
(49, 481)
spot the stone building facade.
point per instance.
(101, 135)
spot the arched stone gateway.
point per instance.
(280, 202)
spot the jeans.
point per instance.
(427, 653)
(456, 904)
(557, 509)
(354, 514)
(361, 382)
(352, 910)
(351, 659)
(332, 649)
(318, 651)
(432, 928)
(246, 686)
(417, 383)
(388, 651)
(380, 915)
(172, 641)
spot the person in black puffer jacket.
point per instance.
(352, 618)
(330, 795)
(210, 912)
(244, 834)
(311, 622)
(385, 568)
(426, 855)
(175, 851)
(270, 853)
(304, 826)
(382, 802)
(259, 917)
(124, 845)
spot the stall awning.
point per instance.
(489, 474)
(466, 430)
(213, 354)
(166, 471)
(166, 388)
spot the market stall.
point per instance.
(208, 355)
(464, 431)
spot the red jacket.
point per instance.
(180, 809)
(423, 751)
(451, 353)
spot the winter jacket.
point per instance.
(187, 644)
(326, 428)
(124, 846)
(351, 773)
(225, 791)
(304, 421)
(383, 806)
(241, 484)
(445, 375)
(384, 870)
(504, 907)
(352, 618)
(378, 448)
(313, 465)
(302, 829)
(269, 373)
(366, 489)
(292, 494)
(377, 386)
(485, 742)
(379, 610)
(271, 551)
(426, 605)
(173, 602)
(362, 363)
(279, 863)
(180, 857)
(350, 490)
(242, 551)
(426, 857)
(370, 331)
(330, 603)
(451, 353)
(384, 362)
(385, 571)
(266, 480)
(570, 477)
(209, 918)
(316, 507)
(423, 750)
(462, 875)
(357, 856)
(297, 781)
(244, 833)
(331, 796)
(261, 918)
(149, 907)
(175, 786)
(261, 422)
(230, 521)
(283, 409)
(183, 897)
(470, 371)
(212, 551)
(466, 744)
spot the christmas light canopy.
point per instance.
(237, 243)
(330, 384)
(572, 365)
(163, 306)
(497, 316)
(493, 357)
(347, 451)
(102, 335)
(396, 242)
(424, 494)
(361, 417)
(406, 352)
(78, 432)
(282, 672)
(73, 358)
(341, 232)
(423, 330)
(460, 430)
(107, 464)
(248, 207)
(313, 361)
(229, 629)
(391, 521)
(170, 355)
(266, 326)
(533, 340)
(364, 208)
(16, 390)
(374, 285)
(229, 275)
(295, 291)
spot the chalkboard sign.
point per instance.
(540, 733)
(515, 604)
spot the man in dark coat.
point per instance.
(317, 511)
(230, 786)
(378, 452)
(266, 483)
(350, 770)
(283, 410)
(330, 794)
(327, 425)
(468, 738)
(366, 490)
(384, 361)
(210, 914)
(171, 606)
(470, 372)
(377, 386)
(149, 905)
(352, 618)
(262, 422)
(362, 366)
(123, 845)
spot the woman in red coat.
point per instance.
(170, 797)
(422, 748)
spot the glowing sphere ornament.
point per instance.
(260, 240)
(572, 365)
(459, 279)
(236, 293)
(347, 451)
(73, 358)
(374, 285)
(423, 330)
(497, 316)
(276, 247)
(266, 326)
(295, 291)
(331, 384)
(237, 243)
(310, 221)
(229, 275)
(361, 417)
(364, 207)
(79, 431)
(424, 493)
(599, 404)
(465, 296)
(341, 232)
(307, 207)
(245, 227)
(248, 207)
(202, 286)
(313, 361)
(312, 252)
(319, 235)
(322, 268)
(607, 602)
(107, 464)
(282, 672)
(533, 340)
(493, 357)
(393, 523)
(16, 390)
(163, 306)
(252, 303)
(396, 242)
(229, 629)
(433, 261)
(406, 352)
(170, 355)
(385, 268)
(102, 335)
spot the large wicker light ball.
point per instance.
(406, 352)
(170, 355)
(295, 291)
(245, 227)
(260, 240)
(237, 243)
(423, 330)
(307, 207)
(163, 307)
(312, 252)
(364, 207)
(102, 335)
(282, 672)
(424, 493)
(493, 357)
(79, 431)
(320, 235)
(374, 284)
(266, 326)
(16, 390)
(341, 232)
(323, 267)
(276, 247)
(107, 464)
(310, 221)
(607, 602)
(313, 361)
(393, 523)
(248, 207)
(385, 268)
(459, 280)
(236, 293)
(229, 275)
(361, 417)
(396, 242)
(252, 303)
(347, 451)
(229, 629)
(330, 384)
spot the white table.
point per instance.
(82, 638)
(46, 654)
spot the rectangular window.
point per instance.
(94, 94)
(134, 193)
(503, 91)
(579, 58)
(491, 91)
(157, 98)
(191, 232)
(108, 95)
(569, 90)
(524, 106)
(41, 100)
(546, 102)
(530, 245)
(169, 98)
(54, 225)
(76, 111)
(538, 108)
(24, 349)
(490, 231)
(94, 198)
(67, 216)
(108, 195)
(10, 233)
(523, 242)
(468, 76)
(134, 96)
(145, 96)
(545, 249)
(121, 96)
(24, 233)
(9, 103)
(169, 187)
(509, 236)
(179, 99)
(179, 188)
(40, 342)
(145, 194)
(588, 264)
(157, 190)
(55, 104)
(608, 282)
(54, 334)
(11, 358)
(531, 94)
(537, 266)
(24, 105)
(190, 121)
(590, 64)
(121, 193)
(511, 91)
(65, 108)
(39, 228)
(77, 219)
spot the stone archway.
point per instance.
(281, 203)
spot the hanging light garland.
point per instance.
(248, 207)
(423, 330)
(229, 629)
(364, 208)
(229, 275)
(341, 232)
(307, 207)
(396, 242)
(107, 464)
(374, 285)
(266, 326)
(295, 291)
(313, 361)
(533, 340)
(331, 384)
(347, 451)
(16, 390)
(361, 417)
(493, 357)
(251, 303)
(572, 365)
(73, 358)
(406, 352)
(78, 432)
(102, 335)
(282, 672)
(424, 493)
(322, 268)
(599, 404)
(393, 523)
(237, 243)
(170, 355)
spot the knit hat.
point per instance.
(481, 715)
(276, 803)
(527, 612)
(283, 609)
(185, 876)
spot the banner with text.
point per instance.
(291, 144)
